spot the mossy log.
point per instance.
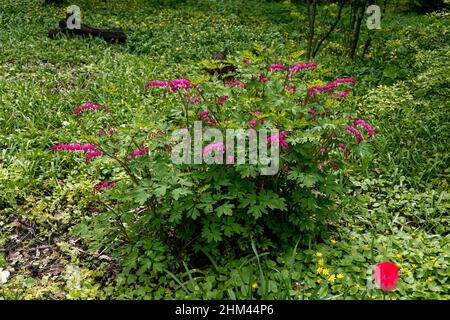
(109, 35)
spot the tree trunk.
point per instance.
(333, 26)
(358, 8)
(367, 45)
(312, 11)
(351, 25)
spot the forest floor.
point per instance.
(396, 203)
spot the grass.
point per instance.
(400, 214)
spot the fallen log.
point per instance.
(109, 35)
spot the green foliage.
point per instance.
(413, 114)
(163, 212)
(206, 235)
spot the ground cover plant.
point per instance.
(93, 207)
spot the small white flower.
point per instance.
(4, 275)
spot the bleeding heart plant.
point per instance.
(159, 210)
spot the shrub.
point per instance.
(155, 213)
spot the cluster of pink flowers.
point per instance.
(246, 61)
(204, 113)
(345, 80)
(276, 66)
(343, 147)
(79, 147)
(343, 93)
(222, 100)
(86, 106)
(174, 85)
(279, 138)
(235, 83)
(297, 67)
(206, 116)
(326, 88)
(263, 78)
(355, 132)
(73, 147)
(93, 154)
(291, 88)
(192, 99)
(253, 121)
(110, 131)
(330, 87)
(178, 84)
(366, 125)
(286, 167)
(157, 84)
(214, 147)
(322, 151)
(104, 185)
(138, 153)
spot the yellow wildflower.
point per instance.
(319, 281)
(319, 269)
(340, 276)
(318, 254)
(407, 271)
(325, 272)
(254, 286)
(332, 278)
(320, 262)
(333, 241)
